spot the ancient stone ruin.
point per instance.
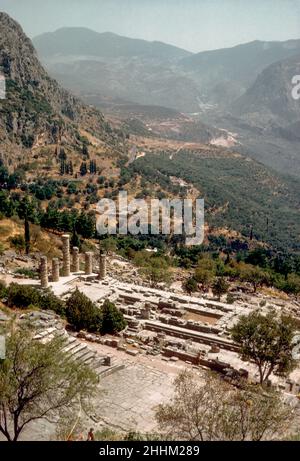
(66, 255)
(71, 266)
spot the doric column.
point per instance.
(75, 259)
(55, 270)
(66, 255)
(88, 263)
(44, 272)
(102, 267)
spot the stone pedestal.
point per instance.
(102, 267)
(146, 312)
(75, 259)
(44, 272)
(107, 361)
(88, 263)
(55, 270)
(66, 255)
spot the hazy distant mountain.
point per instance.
(153, 72)
(134, 70)
(85, 42)
(269, 100)
(226, 74)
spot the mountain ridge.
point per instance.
(146, 72)
(89, 42)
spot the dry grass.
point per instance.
(274, 293)
(41, 241)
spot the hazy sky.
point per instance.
(196, 25)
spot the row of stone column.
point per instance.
(67, 267)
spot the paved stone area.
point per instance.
(129, 396)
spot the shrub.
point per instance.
(292, 284)
(51, 302)
(3, 290)
(31, 273)
(190, 285)
(22, 296)
(112, 319)
(230, 299)
(220, 287)
(82, 313)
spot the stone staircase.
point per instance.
(76, 349)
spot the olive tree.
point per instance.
(39, 381)
(216, 411)
(266, 341)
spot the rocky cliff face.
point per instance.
(36, 106)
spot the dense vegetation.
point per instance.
(242, 195)
(253, 267)
(212, 265)
(79, 310)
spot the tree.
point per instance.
(71, 169)
(93, 167)
(62, 168)
(253, 275)
(85, 225)
(62, 155)
(83, 169)
(39, 381)
(112, 319)
(4, 174)
(6, 204)
(220, 287)
(156, 274)
(15, 178)
(155, 268)
(292, 284)
(24, 296)
(267, 341)
(85, 149)
(190, 285)
(205, 271)
(216, 411)
(75, 240)
(26, 211)
(82, 313)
